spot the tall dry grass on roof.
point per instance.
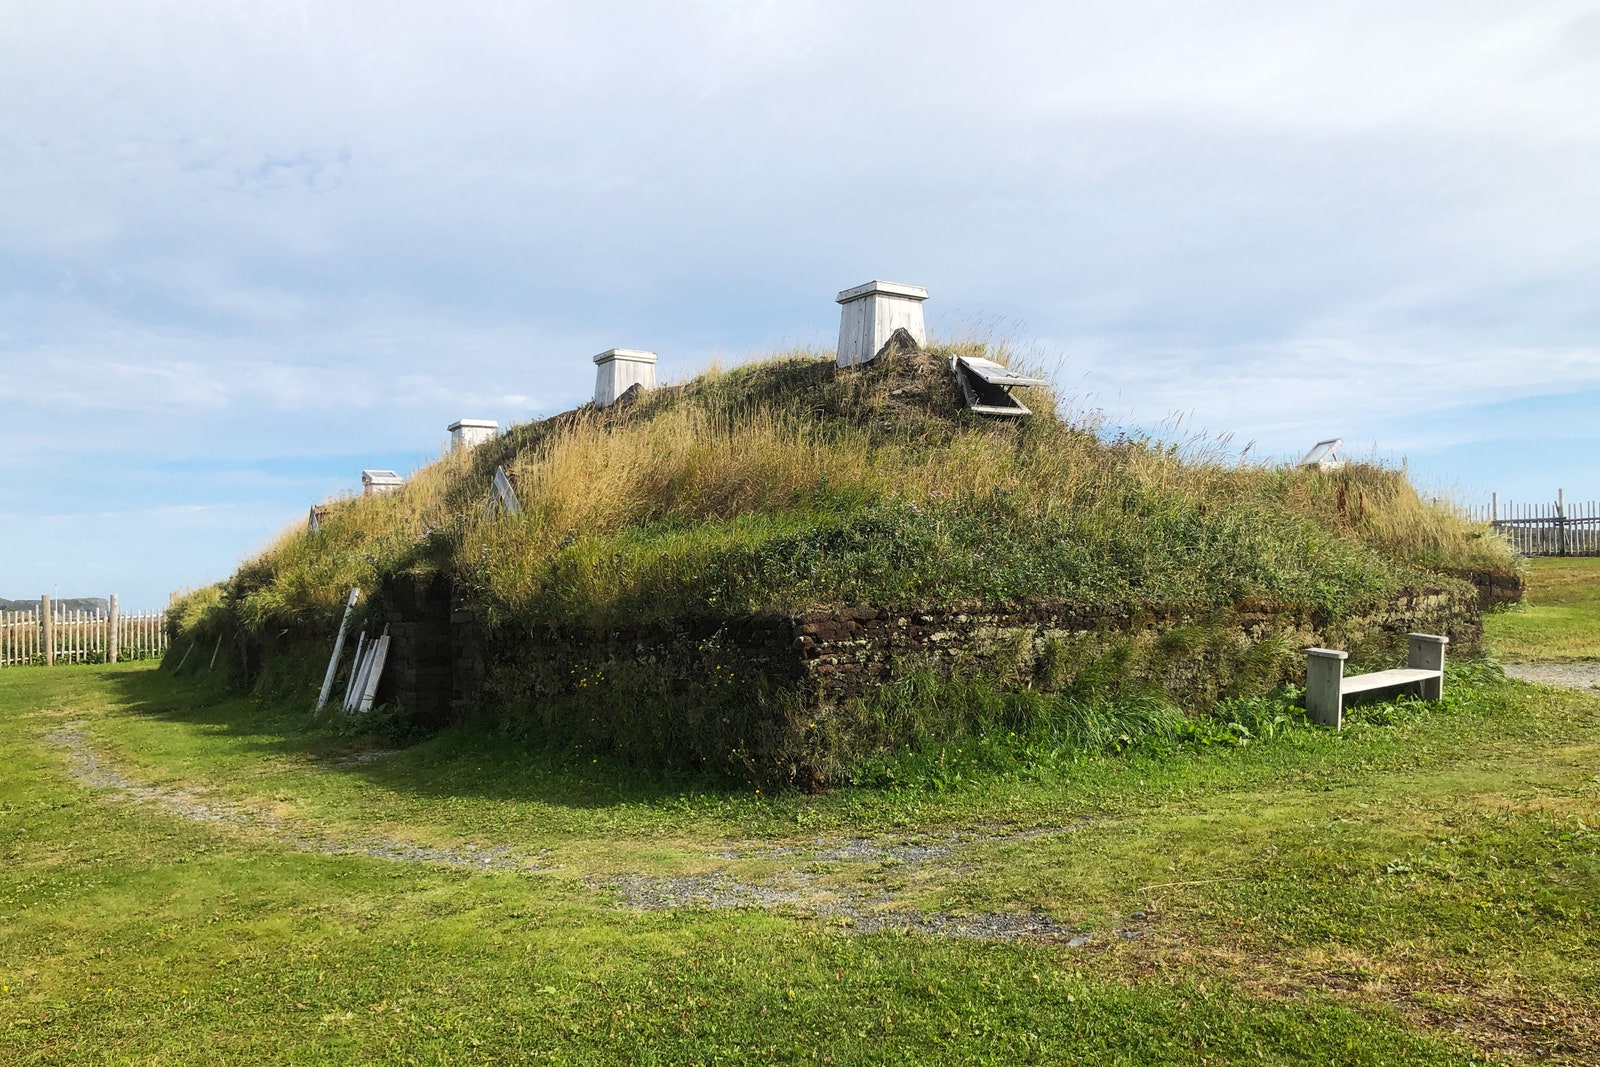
(790, 483)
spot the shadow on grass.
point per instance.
(459, 761)
(473, 763)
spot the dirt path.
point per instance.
(794, 890)
(1585, 676)
(93, 770)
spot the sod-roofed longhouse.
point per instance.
(782, 569)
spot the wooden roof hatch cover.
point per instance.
(986, 386)
(1324, 455)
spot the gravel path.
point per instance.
(859, 913)
(795, 891)
(917, 849)
(1563, 675)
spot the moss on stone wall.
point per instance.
(810, 699)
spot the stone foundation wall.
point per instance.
(1188, 654)
(466, 658)
(786, 698)
(1494, 590)
(419, 674)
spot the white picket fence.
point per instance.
(1561, 527)
(80, 636)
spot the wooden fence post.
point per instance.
(111, 630)
(1561, 521)
(47, 621)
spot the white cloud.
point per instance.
(1302, 389)
(290, 227)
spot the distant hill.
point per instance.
(79, 603)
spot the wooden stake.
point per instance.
(374, 672)
(355, 669)
(338, 647)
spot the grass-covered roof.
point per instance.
(791, 484)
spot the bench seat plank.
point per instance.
(1361, 683)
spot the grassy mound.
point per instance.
(790, 485)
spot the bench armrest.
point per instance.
(1325, 685)
(1426, 651)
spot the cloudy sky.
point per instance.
(247, 249)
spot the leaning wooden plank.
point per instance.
(368, 661)
(358, 681)
(504, 494)
(338, 647)
(355, 669)
(380, 655)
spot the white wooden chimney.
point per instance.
(872, 312)
(377, 483)
(470, 433)
(618, 370)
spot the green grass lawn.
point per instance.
(1560, 620)
(1421, 888)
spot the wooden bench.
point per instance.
(1327, 686)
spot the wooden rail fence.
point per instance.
(50, 635)
(1559, 528)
